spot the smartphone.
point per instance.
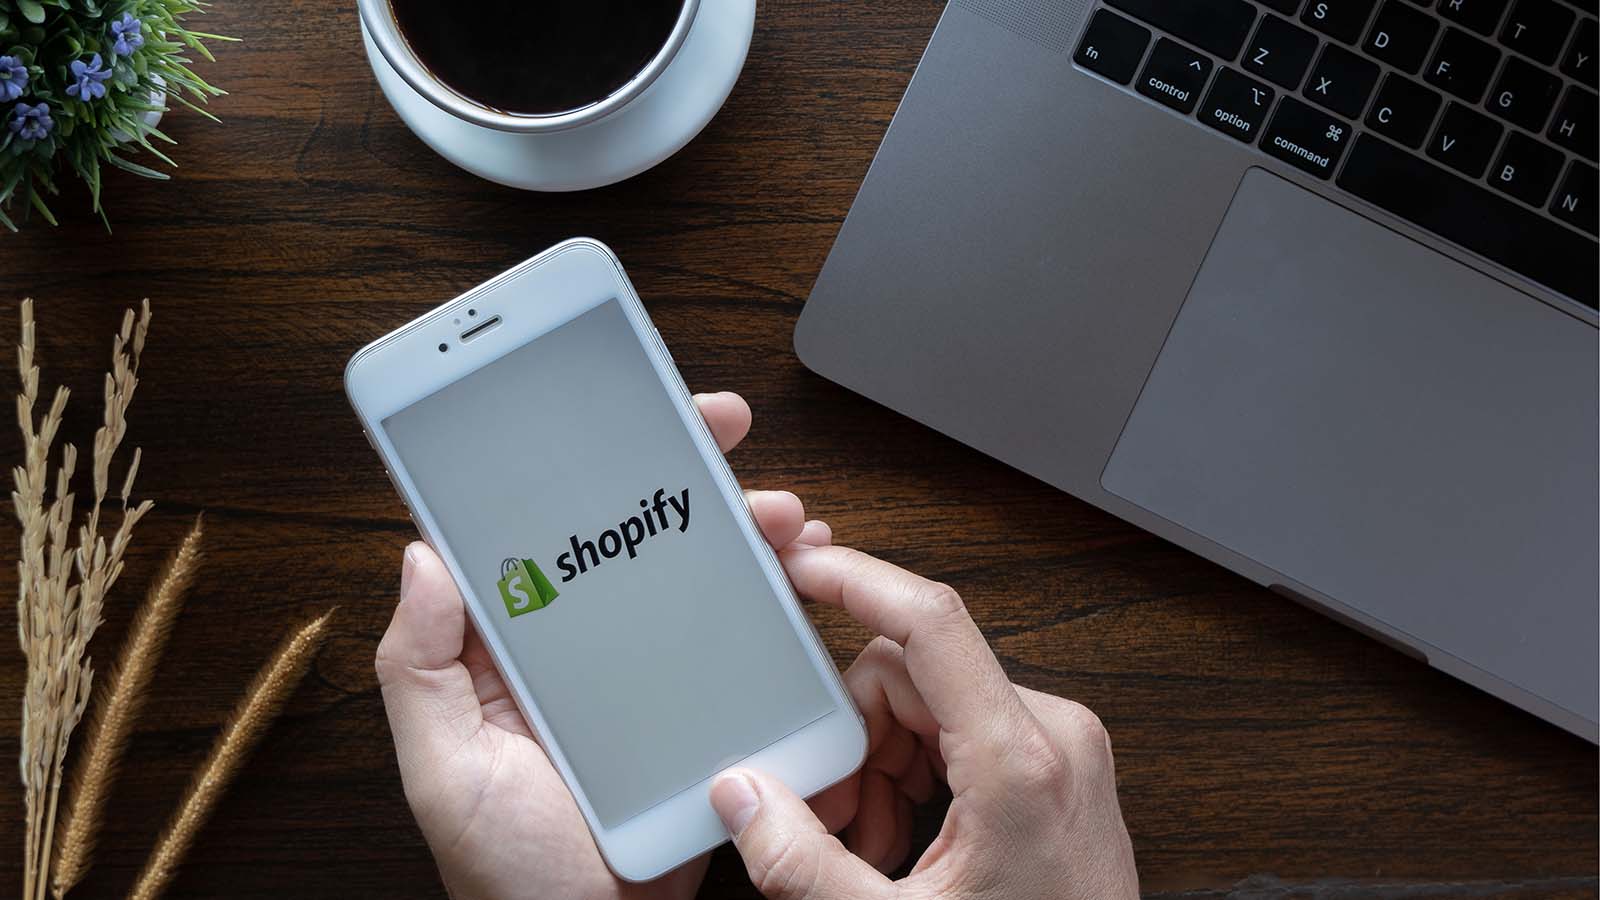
(547, 448)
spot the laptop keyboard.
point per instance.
(1475, 120)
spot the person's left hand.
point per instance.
(495, 812)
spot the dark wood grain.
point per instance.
(1263, 751)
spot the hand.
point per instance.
(1034, 813)
(496, 814)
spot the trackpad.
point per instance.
(1386, 426)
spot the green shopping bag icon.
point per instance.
(524, 588)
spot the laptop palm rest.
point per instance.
(1388, 428)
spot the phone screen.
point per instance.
(598, 544)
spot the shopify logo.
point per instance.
(524, 588)
(651, 521)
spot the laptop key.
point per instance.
(1574, 126)
(1236, 105)
(1306, 137)
(1575, 202)
(1462, 65)
(1217, 26)
(1401, 36)
(1112, 46)
(1579, 61)
(1537, 29)
(1524, 94)
(1339, 19)
(1473, 216)
(1279, 52)
(1174, 75)
(1287, 7)
(1403, 110)
(1526, 169)
(1464, 140)
(1341, 81)
(1479, 15)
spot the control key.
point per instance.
(1174, 75)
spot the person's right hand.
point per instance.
(1034, 814)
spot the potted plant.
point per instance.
(84, 82)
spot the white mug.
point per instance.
(646, 120)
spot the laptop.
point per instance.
(1307, 287)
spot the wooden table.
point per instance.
(1263, 750)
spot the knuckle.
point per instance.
(883, 650)
(939, 600)
(1084, 729)
(384, 665)
(1038, 763)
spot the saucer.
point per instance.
(657, 124)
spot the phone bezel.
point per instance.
(533, 298)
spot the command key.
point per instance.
(1306, 137)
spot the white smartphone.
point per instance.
(547, 448)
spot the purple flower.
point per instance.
(31, 123)
(13, 77)
(90, 76)
(128, 34)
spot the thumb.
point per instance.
(433, 708)
(788, 853)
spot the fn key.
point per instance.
(1112, 46)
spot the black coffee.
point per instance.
(536, 57)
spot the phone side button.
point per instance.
(395, 483)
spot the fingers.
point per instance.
(780, 514)
(874, 835)
(432, 705)
(788, 853)
(815, 534)
(881, 687)
(950, 664)
(727, 415)
(836, 806)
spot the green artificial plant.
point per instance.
(77, 78)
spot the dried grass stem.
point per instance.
(117, 707)
(268, 692)
(55, 616)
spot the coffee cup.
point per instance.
(524, 66)
(557, 94)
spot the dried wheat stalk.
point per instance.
(115, 710)
(55, 617)
(267, 695)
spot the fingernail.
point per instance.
(406, 567)
(735, 800)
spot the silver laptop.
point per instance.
(1305, 286)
